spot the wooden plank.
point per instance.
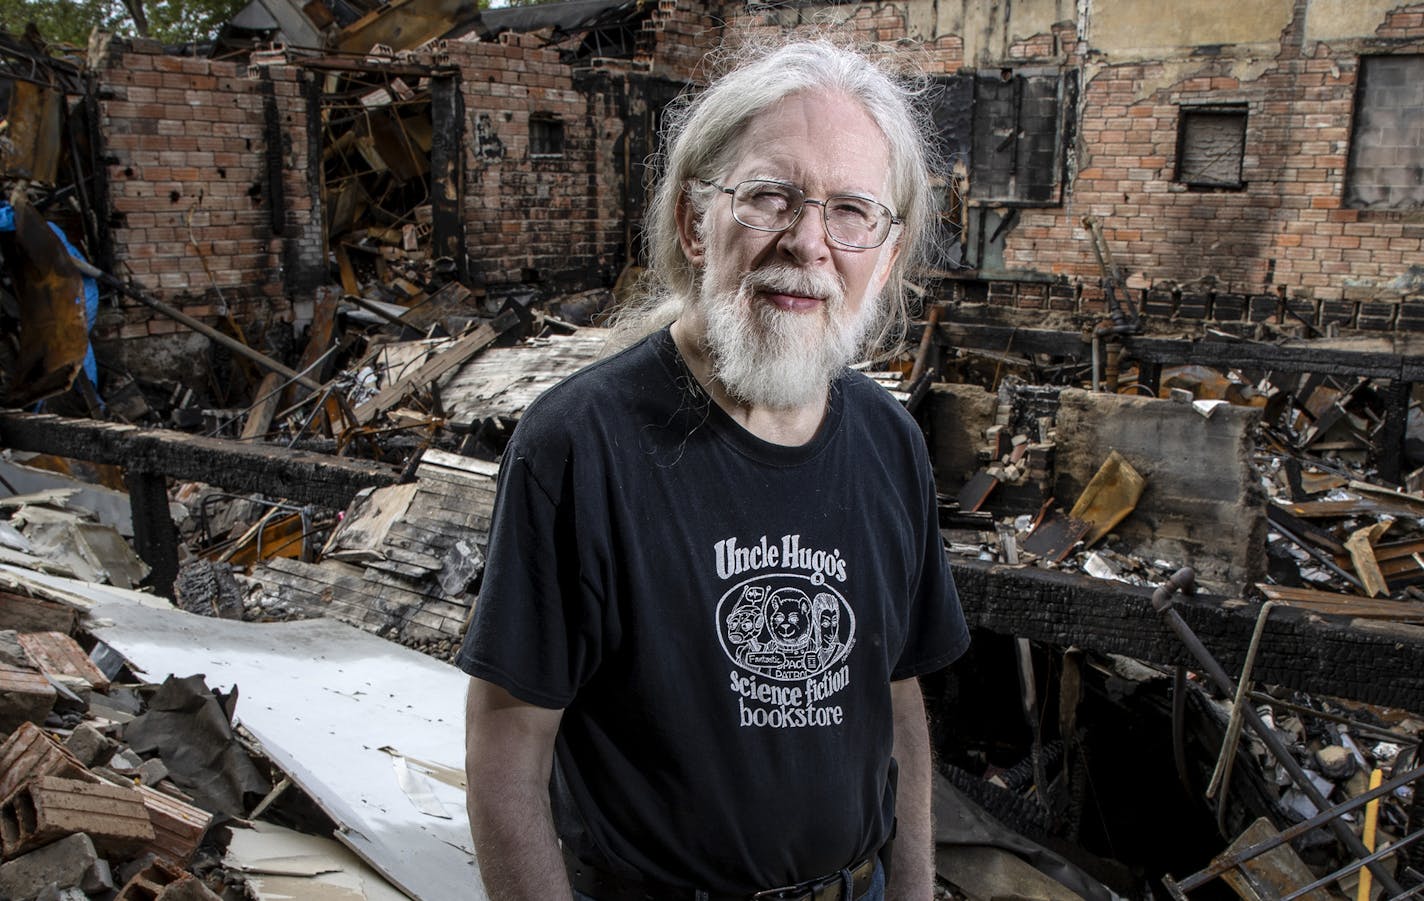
(26, 614)
(321, 334)
(1351, 605)
(259, 415)
(1360, 547)
(1405, 363)
(1377, 663)
(250, 468)
(453, 356)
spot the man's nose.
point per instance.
(806, 240)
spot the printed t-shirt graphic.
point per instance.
(787, 630)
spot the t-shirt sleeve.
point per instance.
(535, 629)
(936, 634)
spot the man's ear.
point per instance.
(689, 230)
(888, 257)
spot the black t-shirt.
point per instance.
(719, 617)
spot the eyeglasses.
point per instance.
(773, 206)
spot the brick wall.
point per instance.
(529, 218)
(193, 147)
(1288, 230)
(190, 219)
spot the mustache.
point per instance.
(780, 279)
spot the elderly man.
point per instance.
(659, 709)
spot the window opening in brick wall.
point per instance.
(546, 135)
(1211, 144)
(1021, 119)
(1386, 163)
(376, 135)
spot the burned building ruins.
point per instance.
(271, 306)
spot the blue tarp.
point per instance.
(89, 295)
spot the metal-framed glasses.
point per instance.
(773, 206)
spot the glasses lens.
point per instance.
(856, 221)
(766, 204)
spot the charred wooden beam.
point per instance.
(299, 476)
(1314, 357)
(1377, 663)
(446, 174)
(155, 536)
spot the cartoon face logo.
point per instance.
(828, 619)
(744, 622)
(788, 613)
(770, 625)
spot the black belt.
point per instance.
(606, 886)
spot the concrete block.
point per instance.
(30, 753)
(90, 746)
(160, 881)
(960, 416)
(67, 863)
(51, 807)
(12, 653)
(25, 696)
(1202, 506)
(152, 771)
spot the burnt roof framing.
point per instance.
(150, 457)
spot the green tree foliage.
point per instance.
(71, 21)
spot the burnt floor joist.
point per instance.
(151, 456)
(1373, 662)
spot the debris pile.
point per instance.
(108, 782)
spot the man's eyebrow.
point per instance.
(850, 192)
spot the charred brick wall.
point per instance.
(1288, 234)
(882, 28)
(187, 144)
(531, 214)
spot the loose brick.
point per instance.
(51, 807)
(160, 881)
(30, 753)
(26, 697)
(58, 654)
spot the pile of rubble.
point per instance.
(110, 783)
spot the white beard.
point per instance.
(765, 356)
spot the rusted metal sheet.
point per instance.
(35, 132)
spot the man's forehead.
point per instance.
(815, 139)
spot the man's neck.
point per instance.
(790, 427)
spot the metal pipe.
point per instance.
(202, 328)
(922, 354)
(1185, 579)
(1346, 870)
(1227, 861)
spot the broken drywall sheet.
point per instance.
(280, 864)
(325, 699)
